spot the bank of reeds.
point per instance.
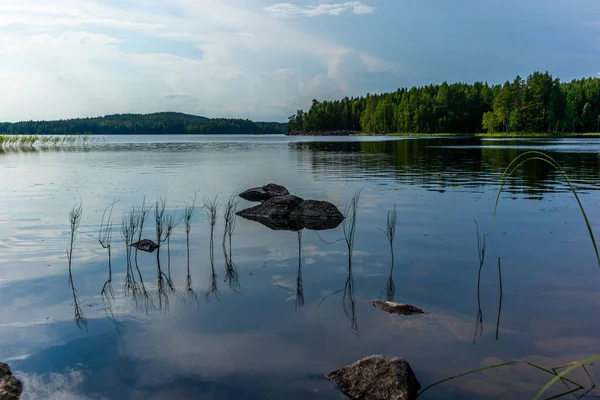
(45, 142)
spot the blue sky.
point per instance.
(263, 59)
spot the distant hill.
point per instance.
(149, 124)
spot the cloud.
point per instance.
(221, 58)
(292, 10)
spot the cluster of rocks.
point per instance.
(279, 210)
(10, 387)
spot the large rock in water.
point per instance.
(264, 192)
(292, 213)
(275, 212)
(377, 378)
(10, 387)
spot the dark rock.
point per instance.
(264, 193)
(278, 207)
(396, 308)
(10, 387)
(315, 210)
(291, 213)
(145, 245)
(377, 378)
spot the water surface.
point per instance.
(259, 340)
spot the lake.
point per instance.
(272, 326)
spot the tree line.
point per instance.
(156, 123)
(537, 104)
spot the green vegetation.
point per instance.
(566, 368)
(32, 142)
(157, 123)
(537, 104)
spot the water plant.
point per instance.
(299, 283)
(481, 244)
(45, 142)
(390, 288)
(500, 300)
(140, 214)
(508, 172)
(231, 273)
(187, 218)
(160, 225)
(105, 238)
(74, 221)
(349, 230)
(128, 231)
(211, 206)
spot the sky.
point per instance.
(264, 59)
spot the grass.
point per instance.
(211, 207)
(161, 232)
(509, 171)
(481, 244)
(349, 230)
(74, 221)
(188, 213)
(43, 142)
(390, 232)
(231, 273)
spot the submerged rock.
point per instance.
(10, 387)
(145, 245)
(264, 193)
(377, 378)
(396, 308)
(293, 213)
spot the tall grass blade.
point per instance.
(538, 155)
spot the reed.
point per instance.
(74, 221)
(481, 244)
(390, 288)
(45, 142)
(141, 214)
(211, 207)
(160, 225)
(128, 231)
(299, 281)
(349, 230)
(105, 238)
(231, 273)
(187, 218)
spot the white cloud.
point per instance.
(293, 10)
(78, 59)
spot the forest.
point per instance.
(157, 123)
(538, 104)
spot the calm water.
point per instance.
(259, 341)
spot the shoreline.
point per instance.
(479, 135)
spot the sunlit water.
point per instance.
(260, 341)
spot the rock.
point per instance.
(377, 378)
(292, 213)
(316, 213)
(145, 245)
(10, 387)
(397, 308)
(264, 193)
(278, 207)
